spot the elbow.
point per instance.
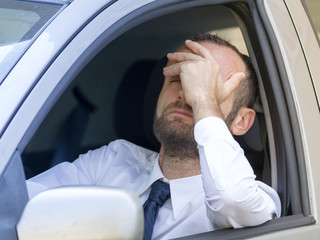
(238, 208)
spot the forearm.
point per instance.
(81, 171)
(61, 175)
(233, 197)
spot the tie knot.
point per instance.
(160, 192)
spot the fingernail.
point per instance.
(242, 76)
(188, 40)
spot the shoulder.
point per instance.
(122, 152)
(134, 153)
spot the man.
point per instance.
(207, 95)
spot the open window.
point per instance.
(114, 95)
(111, 97)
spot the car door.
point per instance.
(63, 54)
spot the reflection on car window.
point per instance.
(313, 7)
(15, 23)
(19, 23)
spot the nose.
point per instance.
(181, 95)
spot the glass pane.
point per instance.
(15, 23)
(314, 10)
(19, 23)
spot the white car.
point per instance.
(75, 75)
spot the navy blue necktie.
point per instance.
(160, 192)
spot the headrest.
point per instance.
(151, 98)
(128, 108)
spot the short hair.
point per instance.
(247, 92)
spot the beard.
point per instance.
(176, 136)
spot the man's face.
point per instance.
(171, 103)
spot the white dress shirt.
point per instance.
(224, 195)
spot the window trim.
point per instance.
(293, 147)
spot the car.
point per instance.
(75, 75)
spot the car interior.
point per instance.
(115, 94)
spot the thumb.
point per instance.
(232, 83)
(239, 75)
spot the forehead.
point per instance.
(230, 62)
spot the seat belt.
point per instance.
(73, 131)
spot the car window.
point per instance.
(19, 23)
(313, 7)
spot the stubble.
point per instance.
(175, 135)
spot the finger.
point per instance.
(183, 56)
(172, 70)
(198, 49)
(232, 83)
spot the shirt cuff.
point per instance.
(211, 129)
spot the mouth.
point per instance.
(182, 112)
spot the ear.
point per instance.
(243, 121)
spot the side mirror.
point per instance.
(82, 212)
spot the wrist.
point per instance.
(206, 109)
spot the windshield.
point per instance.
(20, 21)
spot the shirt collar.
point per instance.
(154, 175)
